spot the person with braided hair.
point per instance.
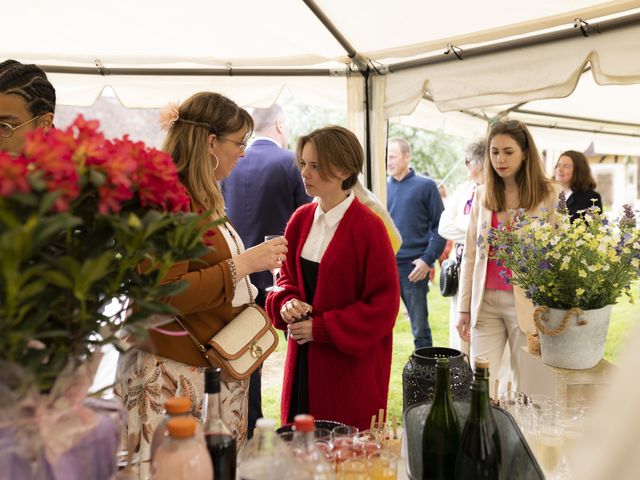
(27, 102)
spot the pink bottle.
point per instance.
(182, 456)
(174, 407)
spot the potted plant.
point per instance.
(573, 272)
(79, 214)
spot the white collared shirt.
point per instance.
(323, 229)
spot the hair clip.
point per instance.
(169, 115)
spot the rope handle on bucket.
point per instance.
(541, 315)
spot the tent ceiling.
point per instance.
(286, 34)
(269, 33)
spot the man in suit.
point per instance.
(260, 195)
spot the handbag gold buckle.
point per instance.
(255, 349)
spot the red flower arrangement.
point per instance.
(78, 214)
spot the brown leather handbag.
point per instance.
(244, 343)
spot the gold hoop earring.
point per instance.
(217, 161)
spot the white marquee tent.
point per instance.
(336, 52)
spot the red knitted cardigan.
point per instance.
(355, 307)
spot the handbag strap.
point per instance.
(193, 338)
(195, 341)
(246, 278)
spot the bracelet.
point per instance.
(233, 270)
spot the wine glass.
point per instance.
(274, 271)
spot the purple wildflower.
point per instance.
(562, 203)
(628, 218)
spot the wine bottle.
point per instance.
(477, 457)
(441, 436)
(220, 441)
(482, 374)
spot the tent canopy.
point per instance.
(154, 52)
(279, 34)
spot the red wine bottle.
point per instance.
(220, 441)
(222, 450)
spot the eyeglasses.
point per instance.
(7, 130)
(242, 145)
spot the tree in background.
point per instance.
(435, 154)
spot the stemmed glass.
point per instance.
(274, 271)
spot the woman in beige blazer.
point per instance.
(491, 311)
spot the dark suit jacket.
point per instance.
(581, 201)
(260, 195)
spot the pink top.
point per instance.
(494, 280)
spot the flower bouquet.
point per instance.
(79, 214)
(569, 269)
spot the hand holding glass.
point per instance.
(274, 271)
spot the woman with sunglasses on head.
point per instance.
(27, 102)
(341, 293)
(573, 174)
(454, 222)
(206, 137)
(492, 312)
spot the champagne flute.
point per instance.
(274, 271)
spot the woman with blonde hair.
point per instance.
(341, 290)
(206, 137)
(492, 312)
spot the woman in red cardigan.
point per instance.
(341, 293)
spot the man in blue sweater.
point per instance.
(415, 206)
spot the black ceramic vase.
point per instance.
(419, 375)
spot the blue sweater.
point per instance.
(415, 205)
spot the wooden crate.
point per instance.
(570, 388)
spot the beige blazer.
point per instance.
(473, 272)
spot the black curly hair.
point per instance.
(31, 83)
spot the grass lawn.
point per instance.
(623, 318)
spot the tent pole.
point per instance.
(363, 68)
(197, 72)
(593, 28)
(367, 129)
(560, 127)
(572, 117)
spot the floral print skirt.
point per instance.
(144, 381)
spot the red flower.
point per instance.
(50, 158)
(159, 184)
(13, 175)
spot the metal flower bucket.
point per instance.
(573, 339)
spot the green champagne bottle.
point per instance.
(441, 436)
(477, 457)
(482, 373)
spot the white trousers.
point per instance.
(497, 327)
(454, 337)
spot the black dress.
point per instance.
(581, 201)
(300, 389)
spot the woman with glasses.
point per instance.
(27, 102)
(206, 138)
(492, 312)
(454, 222)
